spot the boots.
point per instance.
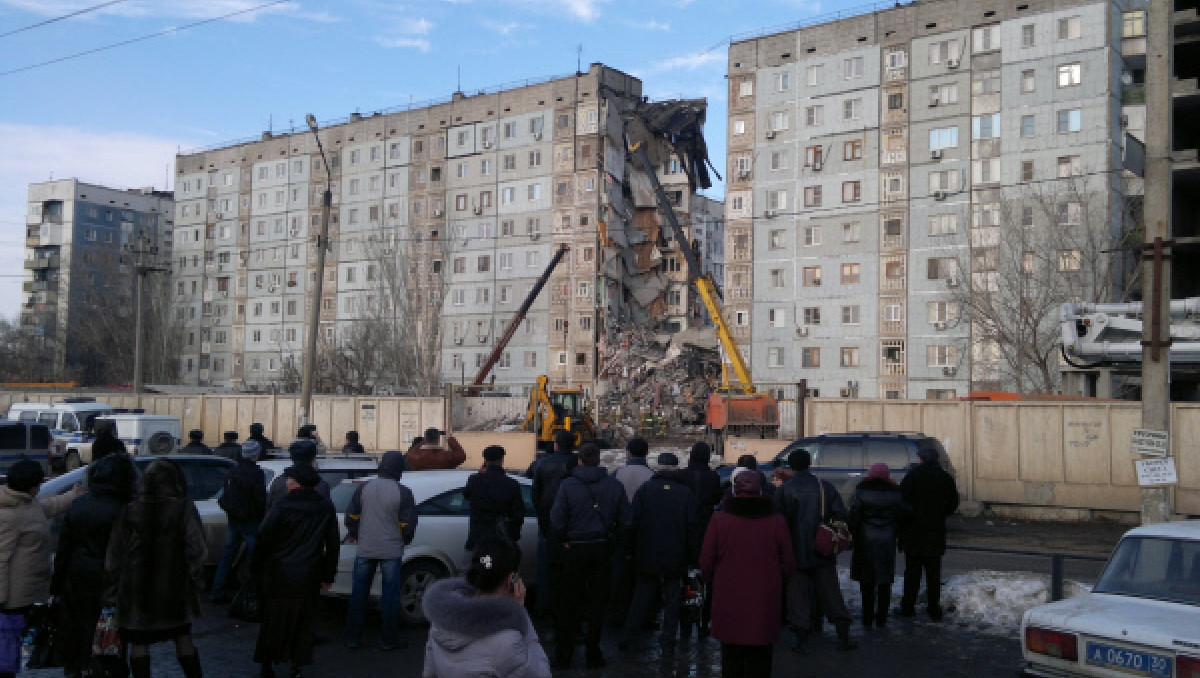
(868, 604)
(843, 637)
(883, 601)
(801, 646)
(190, 663)
(139, 667)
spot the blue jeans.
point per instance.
(389, 604)
(235, 535)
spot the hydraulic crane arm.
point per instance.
(703, 283)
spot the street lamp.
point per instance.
(314, 312)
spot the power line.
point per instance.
(76, 13)
(166, 31)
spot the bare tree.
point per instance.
(1050, 244)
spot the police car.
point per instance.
(71, 421)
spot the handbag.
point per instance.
(245, 604)
(106, 661)
(832, 537)
(42, 621)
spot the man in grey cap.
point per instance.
(244, 500)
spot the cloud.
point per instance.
(649, 25)
(505, 28)
(33, 153)
(421, 44)
(690, 61)
(407, 33)
(182, 9)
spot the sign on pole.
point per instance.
(1155, 472)
(1150, 442)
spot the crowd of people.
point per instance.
(613, 550)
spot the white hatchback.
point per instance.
(1142, 618)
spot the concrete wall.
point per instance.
(1061, 455)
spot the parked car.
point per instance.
(71, 421)
(1142, 618)
(24, 440)
(844, 458)
(205, 477)
(438, 547)
(145, 434)
(334, 468)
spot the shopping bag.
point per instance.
(42, 622)
(105, 641)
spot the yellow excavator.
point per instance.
(559, 409)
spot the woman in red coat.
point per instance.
(747, 555)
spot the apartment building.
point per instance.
(444, 216)
(888, 168)
(79, 264)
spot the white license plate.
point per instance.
(1130, 661)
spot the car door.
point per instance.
(895, 453)
(442, 528)
(840, 461)
(529, 537)
(343, 582)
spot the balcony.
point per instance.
(1133, 95)
(42, 262)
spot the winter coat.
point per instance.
(495, 502)
(590, 507)
(264, 443)
(635, 472)
(876, 513)
(244, 498)
(105, 444)
(195, 448)
(229, 451)
(278, 490)
(25, 546)
(353, 448)
(297, 547)
(382, 515)
(747, 555)
(548, 473)
(933, 496)
(429, 456)
(706, 488)
(83, 541)
(156, 558)
(799, 500)
(665, 529)
(473, 636)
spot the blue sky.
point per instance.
(118, 117)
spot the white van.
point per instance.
(71, 422)
(147, 434)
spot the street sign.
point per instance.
(1150, 442)
(1155, 472)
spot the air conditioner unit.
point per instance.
(939, 325)
(817, 165)
(1124, 119)
(952, 281)
(219, 215)
(951, 63)
(478, 211)
(771, 134)
(939, 195)
(225, 294)
(437, 213)
(801, 331)
(934, 100)
(487, 143)
(844, 392)
(458, 341)
(936, 154)
(295, 232)
(743, 174)
(537, 136)
(535, 236)
(949, 371)
(816, 283)
(482, 339)
(272, 288)
(770, 214)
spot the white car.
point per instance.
(438, 548)
(1142, 618)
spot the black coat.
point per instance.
(590, 506)
(876, 513)
(228, 450)
(106, 444)
(265, 443)
(933, 496)
(665, 530)
(195, 448)
(799, 500)
(297, 547)
(548, 474)
(244, 498)
(494, 498)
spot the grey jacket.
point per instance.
(479, 636)
(382, 517)
(632, 475)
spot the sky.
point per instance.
(118, 116)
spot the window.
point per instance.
(897, 59)
(781, 82)
(941, 268)
(851, 232)
(776, 317)
(985, 82)
(1027, 126)
(852, 150)
(985, 126)
(812, 315)
(535, 158)
(775, 357)
(946, 180)
(1026, 171)
(460, 202)
(944, 51)
(851, 191)
(812, 276)
(460, 265)
(483, 264)
(1027, 35)
(810, 356)
(849, 356)
(1070, 28)
(943, 137)
(1070, 213)
(746, 88)
(985, 38)
(851, 109)
(775, 239)
(461, 169)
(986, 171)
(812, 196)
(1028, 81)
(506, 260)
(943, 95)
(510, 162)
(779, 121)
(813, 155)
(739, 126)
(852, 67)
(1027, 215)
(814, 116)
(534, 191)
(893, 313)
(941, 356)
(850, 274)
(943, 224)
(850, 315)
(510, 130)
(1068, 166)
(777, 200)
(485, 166)
(942, 311)
(1069, 75)
(777, 278)
(812, 236)
(895, 101)
(508, 195)
(778, 160)
(813, 74)
(1070, 121)
(1133, 24)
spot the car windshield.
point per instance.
(1154, 567)
(341, 495)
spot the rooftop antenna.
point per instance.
(579, 59)
(459, 79)
(271, 123)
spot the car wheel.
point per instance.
(72, 461)
(415, 579)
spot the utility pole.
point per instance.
(1156, 277)
(141, 268)
(314, 311)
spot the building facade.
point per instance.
(895, 176)
(443, 218)
(82, 242)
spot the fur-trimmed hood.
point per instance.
(474, 636)
(453, 609)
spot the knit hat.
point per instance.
(879, 471)
(306, 475)
(668, 460)
(256, 429)
(195, 435)
(303, 451)
(747, 483)
(493, 453)
(251, 449)
(927, 454)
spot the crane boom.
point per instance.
(520, 315)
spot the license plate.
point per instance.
(1130, 661)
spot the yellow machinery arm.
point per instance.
(708, 294)
(538, 398)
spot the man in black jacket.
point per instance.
(590, 515)
(230, 448)
(264, 443)
(195, 443)
(664, 537)
(800, 502)
(496, 502)
(547, 474)
(706, 489)
(244, 501)
(933, 496)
